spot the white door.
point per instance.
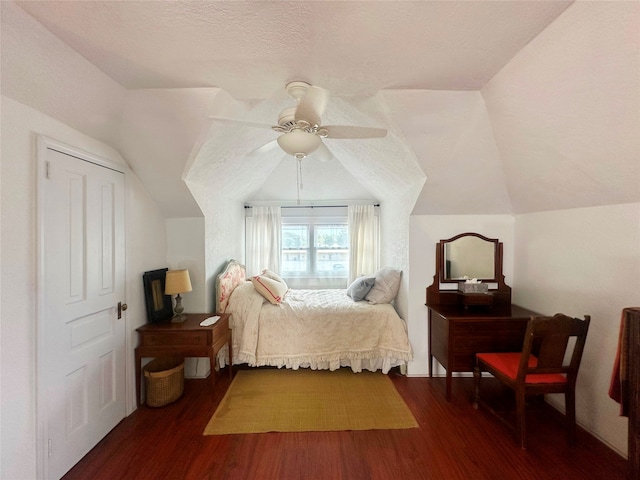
(82, 339)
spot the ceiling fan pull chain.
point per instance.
(299, 178)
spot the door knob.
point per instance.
(121, 308)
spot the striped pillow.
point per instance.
(269, 288)
(274, 276)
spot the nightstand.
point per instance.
(186, 339)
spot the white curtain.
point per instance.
(264, 243)
(363, 241)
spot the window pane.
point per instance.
(295, 244)
(332, 262)
(332, 249)
(331, 236)
(295, 236)
(294, 261)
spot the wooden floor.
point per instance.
(454, 441)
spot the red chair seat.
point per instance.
(508, 364)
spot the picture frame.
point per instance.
(159, 305)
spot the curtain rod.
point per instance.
(312, 206)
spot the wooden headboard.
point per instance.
(233, 275)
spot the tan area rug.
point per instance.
(265, 400)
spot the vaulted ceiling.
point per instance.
(491, 107)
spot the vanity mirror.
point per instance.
(468, 255)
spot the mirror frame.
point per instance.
(497, 264)
(500, 292)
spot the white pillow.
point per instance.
(274, 276)
(386, 286)
(269, 288)
(360, 287)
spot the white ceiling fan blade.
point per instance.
(312, 105)
(264, 149)
(322, 153)
(240, 122)
(339, 131)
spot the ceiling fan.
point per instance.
(301, 128)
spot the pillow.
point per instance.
(269, 288)
(360, 287)
(386, 286)
(274, 276)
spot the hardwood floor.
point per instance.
(454, 441)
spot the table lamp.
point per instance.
(177, 282)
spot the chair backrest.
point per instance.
(547, 338)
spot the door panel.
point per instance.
(83, 347)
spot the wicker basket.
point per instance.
(165, 381)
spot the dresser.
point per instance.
(184, 339)
(463, 322)
(458, 332)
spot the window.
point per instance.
(331, 242)
(315, 249)
(295, 249)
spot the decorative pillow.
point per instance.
(386, 286)
(360, 287)
(269, 288)
(274, 276)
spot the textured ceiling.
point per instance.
(252, 49)
(502, 107)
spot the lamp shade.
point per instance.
(177, 281)
(299, 143)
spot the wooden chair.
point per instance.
(539, 368)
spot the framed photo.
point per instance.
(159, 306)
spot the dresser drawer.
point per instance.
(489, 329)
(174, 338)
(476, 298)
(221, 327)
(487, 344)
(473, 344)
(473, 329)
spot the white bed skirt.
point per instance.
(385, 364)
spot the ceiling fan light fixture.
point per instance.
(299, 143)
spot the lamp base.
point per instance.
(178, 316)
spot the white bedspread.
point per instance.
(320, 329)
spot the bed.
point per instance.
(317, 329)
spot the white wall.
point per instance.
(584, 261)
(424, 232)
(185, 249)
(223, 234)
(146, 247)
